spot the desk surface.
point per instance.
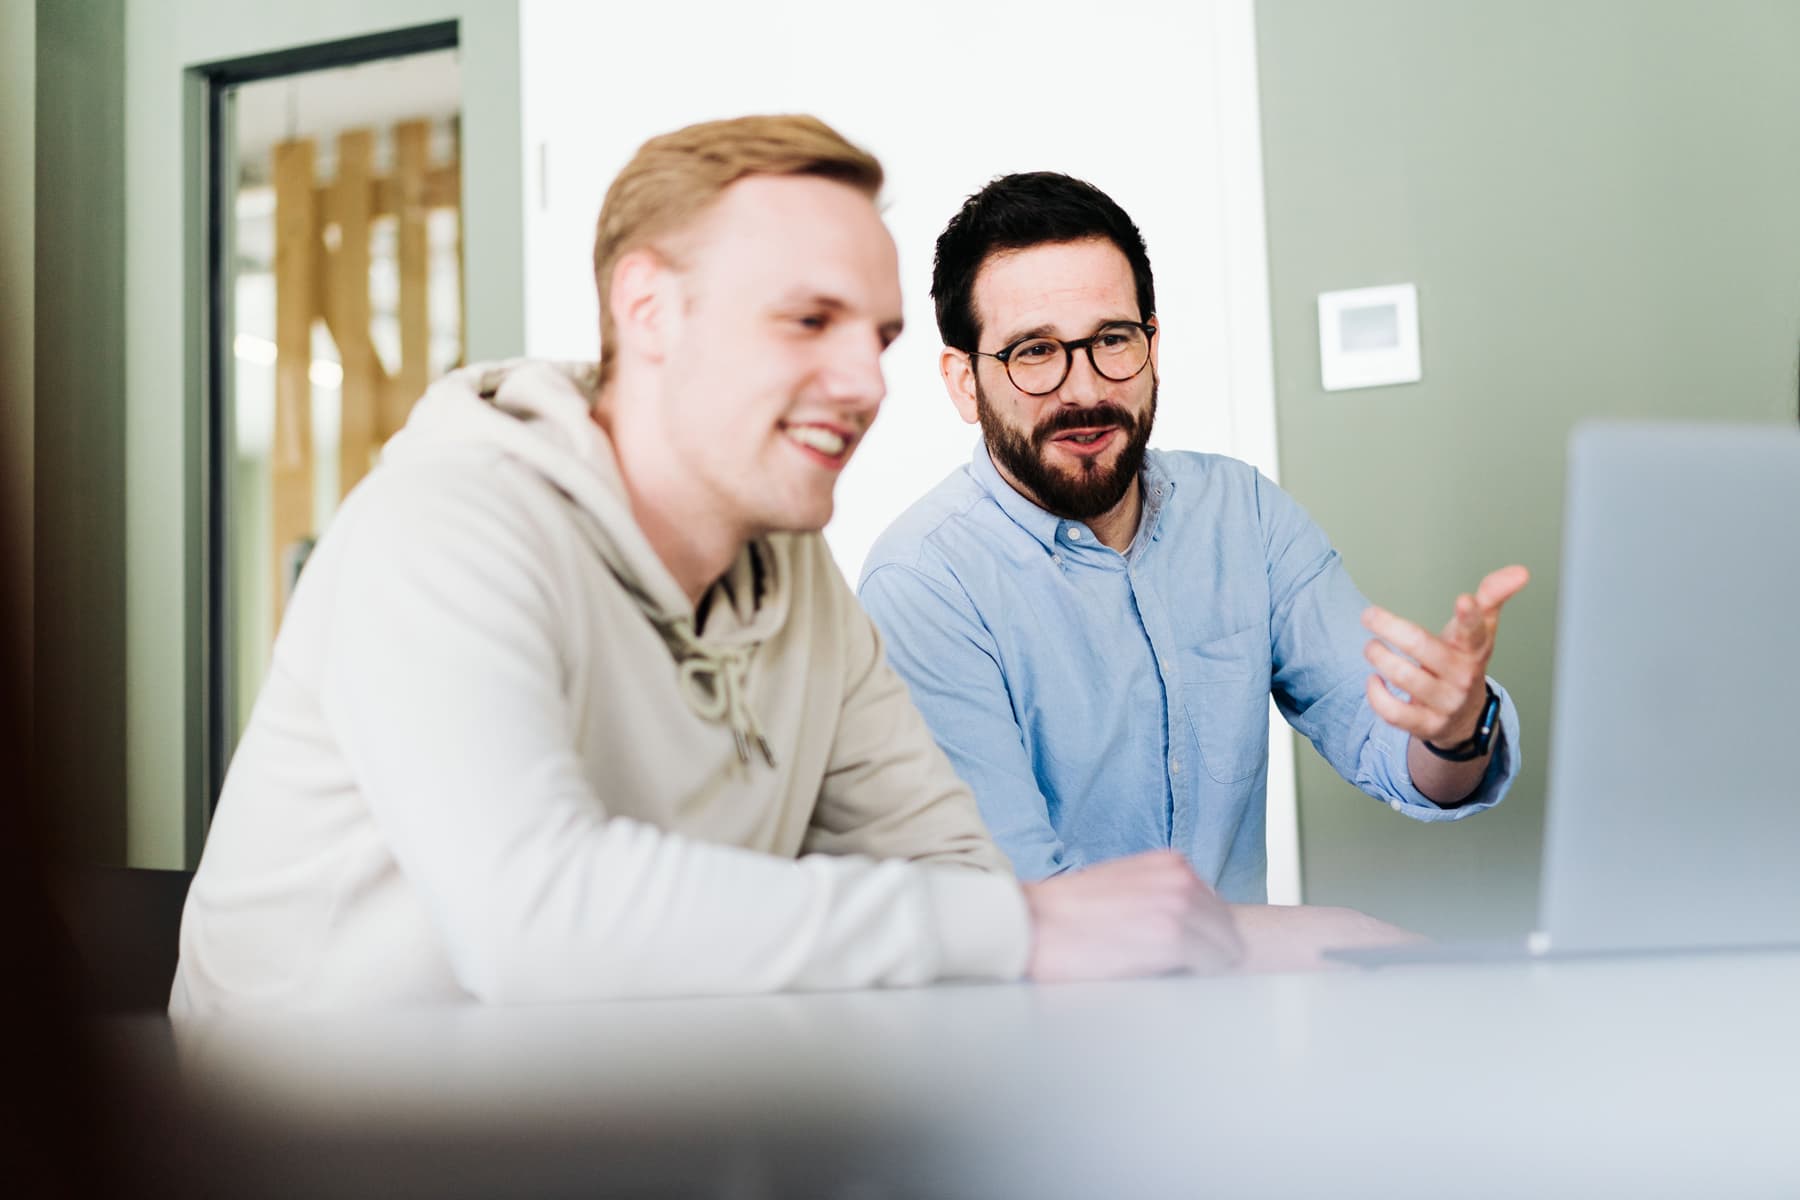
(1672, 1076)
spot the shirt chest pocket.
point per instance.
(1225, 687)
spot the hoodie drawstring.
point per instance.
(549, 426)
(713, 681)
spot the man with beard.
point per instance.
(1093, 630)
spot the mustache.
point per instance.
(1097, 417)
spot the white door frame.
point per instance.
(1252, 371)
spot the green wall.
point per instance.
(1600, 203)
(78, 434)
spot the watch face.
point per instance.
(1490, 720)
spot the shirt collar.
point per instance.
(1044, 526)
(1159, 489)
(1027, 516)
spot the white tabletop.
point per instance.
(1673, 1076)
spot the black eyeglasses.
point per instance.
(1037, 366)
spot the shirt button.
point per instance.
(1074, 534)
(1394, 804)
(1174, 766)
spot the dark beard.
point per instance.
(1092, 490)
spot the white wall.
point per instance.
(1156, 105)
(933, 90)
(163, 39)
(18, 238)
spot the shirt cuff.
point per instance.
(983, 927)
(1503, 768)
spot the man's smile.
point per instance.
(828, 445)
(1085, 443)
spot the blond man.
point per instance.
(571, 701)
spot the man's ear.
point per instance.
(958, 370)
(1155, 343)
(645, 309)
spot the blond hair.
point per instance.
(674, 178)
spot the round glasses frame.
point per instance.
(1005, 355)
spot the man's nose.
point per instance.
(1082, 385)
(855, 382)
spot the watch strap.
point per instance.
(1478, 743)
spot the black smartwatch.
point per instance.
(1482, 740)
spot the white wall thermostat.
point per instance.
(1369, 337)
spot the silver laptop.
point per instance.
(1673, 820)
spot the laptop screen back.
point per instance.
(1674, 794)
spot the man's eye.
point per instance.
(814, 321)
(1035, 351)
(1111, 341)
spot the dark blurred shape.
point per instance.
(51, 1123)
(124, 925)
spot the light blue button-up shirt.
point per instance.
(1102, 704)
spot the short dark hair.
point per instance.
(1017, 211)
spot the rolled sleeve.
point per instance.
(1387, 775)
(1319, 672)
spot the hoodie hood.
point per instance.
(540, 414)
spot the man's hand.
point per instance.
(1446, 676)
(1144, 915)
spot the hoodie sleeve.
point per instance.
(890, 792)
(441, 681)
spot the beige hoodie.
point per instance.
(493, 758)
